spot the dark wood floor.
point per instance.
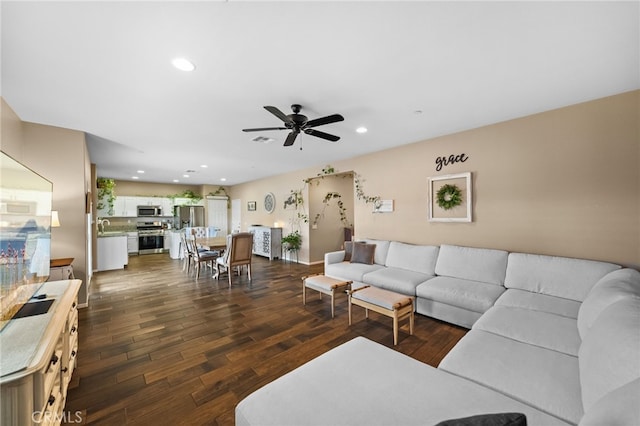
(157, 347)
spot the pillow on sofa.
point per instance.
(612, 287)
(498, 419)
(363, 253)
(348, 250)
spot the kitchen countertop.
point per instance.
(112, 234)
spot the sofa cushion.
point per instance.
(366, 383)
(412, 257)
(612, 287)
(533, 327)
(553, 275)
(477, 264)
(382, 248)
(348, 271)
(539, 302)
(617, 408)
(610, 351)
(363, 253)
(545, 379)
(472, 295)
(396, 279)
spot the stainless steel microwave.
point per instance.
(146, 211)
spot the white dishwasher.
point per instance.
(132, 243)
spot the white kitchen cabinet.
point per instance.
(37, 371)
(267, 241)
(132, 242)
(112, 252)
(167, 240)
(124, 206)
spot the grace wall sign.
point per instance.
(452, 159)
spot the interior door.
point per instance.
(217, 214)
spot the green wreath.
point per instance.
(449, 196)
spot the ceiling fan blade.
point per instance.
(322, 135)
(291, 138)
(260, 129)
(324, 120)
(281, 115)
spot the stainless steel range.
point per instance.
(150, 237)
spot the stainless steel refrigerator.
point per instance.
(188, 216)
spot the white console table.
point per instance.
(267, 241)
(38, 357)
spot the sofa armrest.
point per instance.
(333, 257)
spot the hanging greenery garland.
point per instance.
(449, 196)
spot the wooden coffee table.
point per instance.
(385, 302)
(323, 285)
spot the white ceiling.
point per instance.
(105, 68)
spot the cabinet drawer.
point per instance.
(47, 382)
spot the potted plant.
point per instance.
(292, 242)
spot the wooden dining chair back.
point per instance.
(238, 253)
(187, 254)
(201, 256)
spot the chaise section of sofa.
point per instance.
(364, 383)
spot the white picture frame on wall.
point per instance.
(459, 213)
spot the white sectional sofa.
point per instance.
(557, 339)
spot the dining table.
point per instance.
(212, 243)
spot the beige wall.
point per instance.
(564, 182)
(61, 156)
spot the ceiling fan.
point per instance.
(297, 123)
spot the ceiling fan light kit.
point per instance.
(297, 123)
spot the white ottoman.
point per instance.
(385, 302)
(324, 285)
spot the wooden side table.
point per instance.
(61, 269)
(323, 285)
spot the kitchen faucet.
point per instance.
(101, 223)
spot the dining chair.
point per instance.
(238, 253)
(202, 256)
(187, 255)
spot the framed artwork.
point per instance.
(450, 198)
(251, 206)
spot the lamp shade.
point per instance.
(55, 221)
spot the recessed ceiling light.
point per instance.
(185, 176)
(204, 166)
(176, 180)
(361, 130)
(134, 177)
(140, 171)
(183, 64)
(223, 179)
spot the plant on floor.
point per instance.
(106, 194)
(292, 242)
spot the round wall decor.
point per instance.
(269, 202)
